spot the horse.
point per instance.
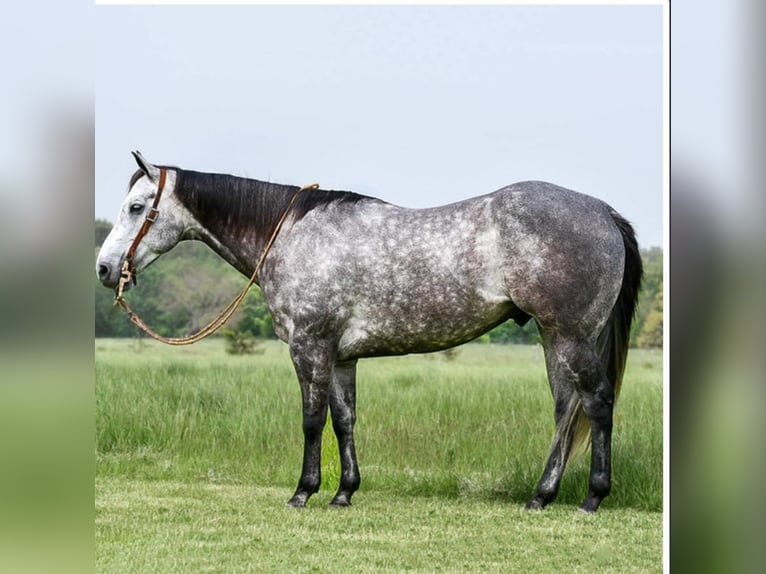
(350, 276)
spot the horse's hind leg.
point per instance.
(565, 402)
(578, 364)
(598, 404)
(343, 412)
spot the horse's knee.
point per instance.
(313, 424)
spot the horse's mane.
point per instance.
(244, 205)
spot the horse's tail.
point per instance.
(615, 337)
(612, 343)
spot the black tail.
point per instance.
(614, 338)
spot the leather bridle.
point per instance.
(128, 273)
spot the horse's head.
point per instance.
(163, 234)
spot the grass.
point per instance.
(168, 527)
(196, 452)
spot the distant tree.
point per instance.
(256, 318)
(196, 294)
(175, 296)
(189, 286)
(111, 321)
(650, 285)
(510, 333)
(651, 331)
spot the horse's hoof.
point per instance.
(590, 505)
(297, 501)
(341, 501)
(534, 504)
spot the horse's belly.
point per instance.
(419, 329)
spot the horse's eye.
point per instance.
(136, 208)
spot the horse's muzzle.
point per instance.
(108, 275)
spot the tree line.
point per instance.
(190, 285)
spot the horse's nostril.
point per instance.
(103, 271)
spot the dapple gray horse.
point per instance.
(351, 276)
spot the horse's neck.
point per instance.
(228, 249)
(240, 241)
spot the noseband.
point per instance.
(128, 273)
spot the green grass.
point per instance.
(448, 450)
(169, 527)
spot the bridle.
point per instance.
(128, 272)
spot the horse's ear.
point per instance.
(151, 170)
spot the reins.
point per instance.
(128, 274)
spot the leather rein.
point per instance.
(128, 273)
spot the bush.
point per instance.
(240, 342)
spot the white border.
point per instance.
(385, 3)
(666, 286)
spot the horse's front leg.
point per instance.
(314, 365)
(343, 412)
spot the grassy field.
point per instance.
(197, 451)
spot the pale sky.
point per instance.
(419, 106)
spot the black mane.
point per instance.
(227, 202)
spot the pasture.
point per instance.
(197, 452)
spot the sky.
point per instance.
(419, 106)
